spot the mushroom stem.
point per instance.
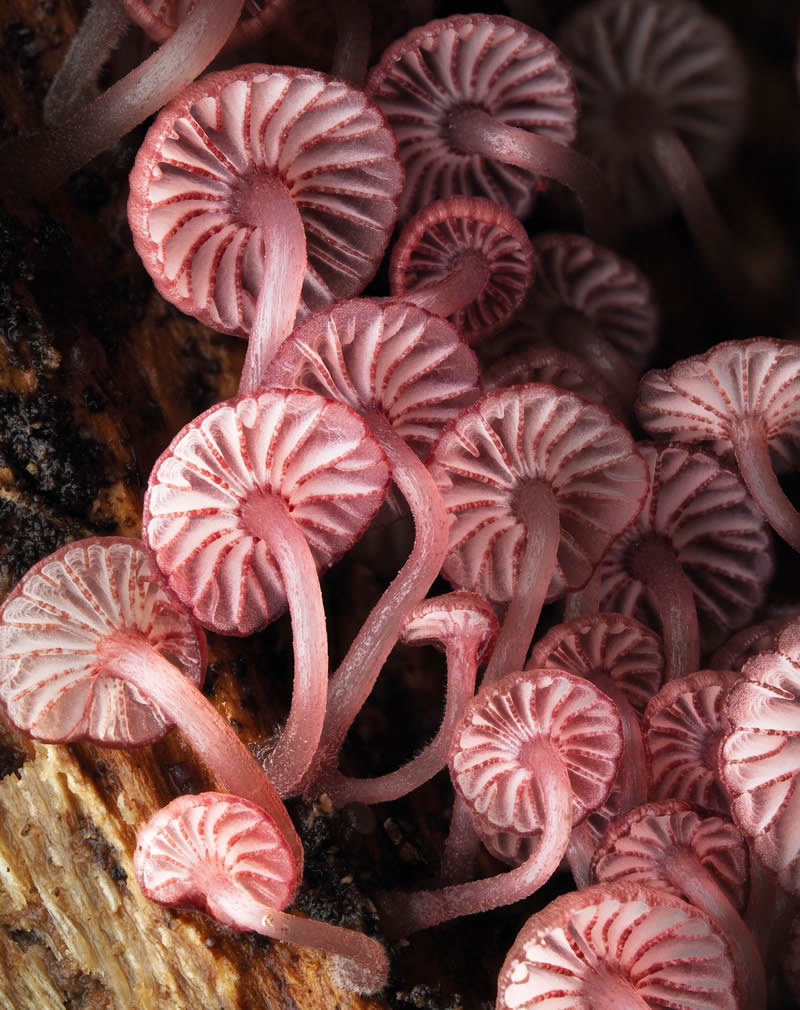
(653, 562)
(351, 684)
(39, 164)
(461, 847)
(453, 293)
(751, 447)
(536, 507)
(403, 913)
(268, 518)
(688, 874)
(353, 38)
(130, 657)
(474, 131)
(75, 83)
(282, 283)
(462, 665)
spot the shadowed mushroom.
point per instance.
(618, 945)
(262, 194)
(94, 648)
(748, 642)
(243, 507)
(160, 18)
(742, 397)
(532, 755)
(702, 859)
(224, 856)
(483, 106)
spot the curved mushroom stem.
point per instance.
(688, 188)
(536, 506)
(353, 38)
(75, 83)
(462, 666)
(751, 447)
(38, 164)
(473, 131)
(461, 847)
(282, 283)
(456, 291)
(686, 872)
(403, 913)
(130, 656)
(287, 762)
(653, 562)
(351, 684)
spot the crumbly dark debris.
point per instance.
(89, 837)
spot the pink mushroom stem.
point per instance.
(462, 665)
(751, 447)
(654, 563)
(404, 913)
(354, 679)
(537, 508)
(284, 270)
(353, 38)
(454, 292)
(687, 873)
(130, 656)
(52, 156)
(287, 762)
(686, 184)
(474, 131)
(461, 847)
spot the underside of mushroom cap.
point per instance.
(523, 435)
(235, 136)
(53, 683)
(642, 66)
(160, 18)
(314, 455)
(618, 944)
(491, 63)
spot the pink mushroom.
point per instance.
(263, 194)
(482, 106)
(160, 18)
(619, 945)
(532, 755)
(465, 258)
(247, 502)
(95, 648)
(224, 856)
(742, 398)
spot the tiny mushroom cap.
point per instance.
(644, 68)
(699, 542)
(588, 300)
(618, 945)
(482, 105)
(446, 621)
(758, 757)
(539, 483)
(224, 856)
(683, 728)
(465, 258)
(743, 398)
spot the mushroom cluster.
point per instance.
(441, 283)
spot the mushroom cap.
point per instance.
(235, 134)
(699, 399)
(493, 753)
(392, 357)
(618, 646)
(315, 455)
(760, 757)
(580, 278)
(595, 946)
(492, 63)
(639, 847)
(682, 728)
(642, 66)
(718, 534)
(435, 239)
(159, 18)
(441, 619)
(748, 642)
(53, 685)
(533, 433)
(198, 848)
